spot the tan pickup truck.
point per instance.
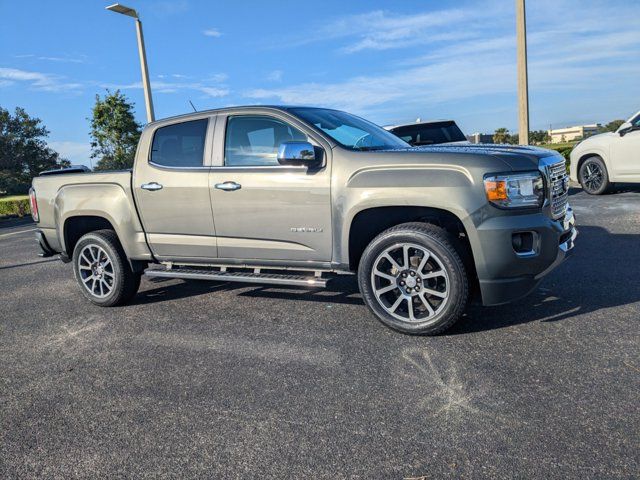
(296, 195)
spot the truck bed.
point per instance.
(83, 196)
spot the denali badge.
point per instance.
(306, 230)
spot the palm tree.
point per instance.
(501, 135)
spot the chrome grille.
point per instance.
(558, 188)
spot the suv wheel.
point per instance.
(102, 270)
(593, 176)
(412, 277)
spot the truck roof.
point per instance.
(237, 107)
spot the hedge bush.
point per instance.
(15, 206)
(563, 149)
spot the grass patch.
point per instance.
(13, 197)
(15, 205)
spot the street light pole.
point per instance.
(523, 82)
(148, 101)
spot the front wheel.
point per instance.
(102, 270)
(593, 176)
(412, 277)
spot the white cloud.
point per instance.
(59, 59)
(212, 86)
(275, 76)
(381, 30)
(75, 152)
(213, 91)
(37, 80)
(384, 30)
(406, 86)
(471, 53)
(212, 32)
(169, 8)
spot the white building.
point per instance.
(568, 134)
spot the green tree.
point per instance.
(23, 151)
(501, 135)
(114, 132)
(538, 137)
(612, 126)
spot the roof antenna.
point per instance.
(192, 106)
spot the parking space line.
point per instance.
(17, 233)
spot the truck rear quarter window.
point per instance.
(180, 145)
(254, 140)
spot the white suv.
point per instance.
(603, 159)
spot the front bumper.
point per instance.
(508, 277)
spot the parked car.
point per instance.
(601, 160)
(294, 195)
(429, 133)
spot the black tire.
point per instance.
(445, 257)
(593, 176)
(119, 282)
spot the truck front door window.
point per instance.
(254, 140)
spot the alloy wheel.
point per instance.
(96, 272)
(410, 282)
(593, 177)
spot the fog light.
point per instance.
(523, 242)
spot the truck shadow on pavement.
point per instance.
(602, 273)
(15, 222)
(342, 290)
(595, 277)
(617, 188)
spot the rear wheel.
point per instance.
(593, 176)
(102, 270)
(412, 277)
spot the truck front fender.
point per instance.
(450, 188)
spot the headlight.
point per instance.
(518, 190)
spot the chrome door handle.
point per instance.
(228, 186)
(153, 186)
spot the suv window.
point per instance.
(180, 145)
(254, 140)
(430, 133)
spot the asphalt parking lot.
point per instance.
(232, 381)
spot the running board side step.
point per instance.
(243, 277)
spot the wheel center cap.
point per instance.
(411, 282)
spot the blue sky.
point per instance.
(387, 61)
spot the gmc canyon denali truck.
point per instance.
(294, 195)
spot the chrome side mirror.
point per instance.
(298, 153)
(624, 128)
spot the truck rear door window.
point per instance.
(180, 145)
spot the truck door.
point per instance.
(264, 210)
(172, 190)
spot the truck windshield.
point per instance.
(430, 133)
(348, 130)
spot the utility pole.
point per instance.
(130, 12)
(523, 82)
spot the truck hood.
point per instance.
(518, 157)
